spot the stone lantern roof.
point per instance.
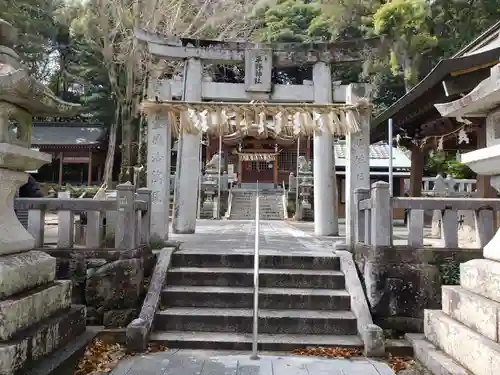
(479, 102)
(21, 90)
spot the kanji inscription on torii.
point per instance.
(258, 71)
(258, 66)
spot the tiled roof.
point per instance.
(379, 155)
(377, 151)
(67, 134)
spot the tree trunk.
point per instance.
(110, 155)
(127, 149)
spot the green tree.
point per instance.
(291, 21)
(37, 32)
(405, 24)
(458, 22)
(446, 164)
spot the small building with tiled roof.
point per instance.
(78, 151)
(379, 170)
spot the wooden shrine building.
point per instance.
(78, 151)
(418, 122)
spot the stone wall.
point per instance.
(111, 283)
(401, 281)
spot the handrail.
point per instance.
(256, 279)
(284, 202)
(229, 203)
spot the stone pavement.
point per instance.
(198, 362)
(216, 235)
(239, 235)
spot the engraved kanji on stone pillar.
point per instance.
(258, 67)
(159, 149)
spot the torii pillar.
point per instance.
(326, 221)
(188, 163)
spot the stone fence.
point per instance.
(373, 221)
(432, 184)
(403, 270)
(111, 271)
(125, 219)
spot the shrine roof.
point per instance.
(379, 156)
(67, 134)
(483, 39)
(417, 106)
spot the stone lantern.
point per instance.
(467, 329)
(35, 310)
(305, 185)
(483, 101)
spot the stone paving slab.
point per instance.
(239, 235)
(198, 362)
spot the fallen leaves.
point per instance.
(397, 364)
(155, 348)
(101, 357)
(329, 352)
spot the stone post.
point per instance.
(224, 181)
(145, 229)
(440, 189)
(357, 157)
(126, 218)
(66, 224)
(359, 234)
(36, 226)
(292, 182)
(159, 156)
(381, 214)
(325, 184)
(188, 170)
(94, 230)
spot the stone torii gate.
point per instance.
(315, 105)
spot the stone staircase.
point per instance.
(207, 302)
(464, 337)
(243, 205)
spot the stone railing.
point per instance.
(439, 184)
(127, 218)
(373, 220)
(403, 269)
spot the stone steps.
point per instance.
(434, 359)
(208, 302)
(243, 206)
(267, 259)
(464, 338)
(243, 341)
(468, 348)
(268, 278)
(270, 321)
(242, 297)
(472, 310)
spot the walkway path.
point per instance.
(239, 237)
(194, 362)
